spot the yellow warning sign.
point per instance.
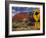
(36, 14)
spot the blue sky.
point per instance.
(21, 9)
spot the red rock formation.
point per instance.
(20, 16)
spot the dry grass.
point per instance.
(23, 26)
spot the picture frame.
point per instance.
(9, 5)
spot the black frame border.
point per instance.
(7, 18)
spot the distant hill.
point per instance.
(20, 16)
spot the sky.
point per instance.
(21, 9)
